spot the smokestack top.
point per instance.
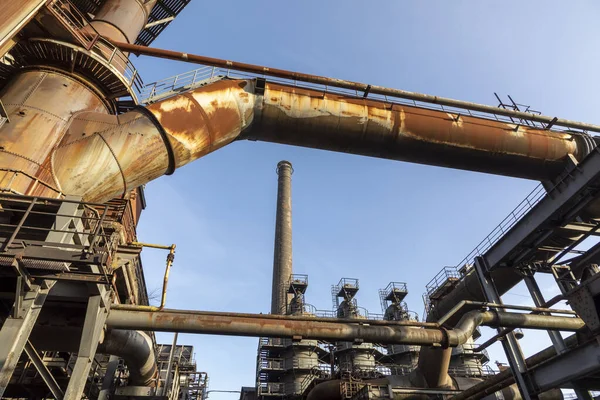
(284, 164)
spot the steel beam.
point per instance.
(16, 330)
(109, 375)
(510, 343)
(92, 329)
(568, 367)
(42, 369)
(576, 191)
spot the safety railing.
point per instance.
(33, 221)
(271, 364)
(10, 178)
(120, 63)
(74, 21)
(230, 73)
(175, 84)
(271, 388)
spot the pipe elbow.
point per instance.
(136, 349)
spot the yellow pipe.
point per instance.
(163, 298)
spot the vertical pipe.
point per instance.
(282, 257)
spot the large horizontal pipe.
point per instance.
(316, 79)
(256, 325)
(183, 128)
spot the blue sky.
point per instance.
(375, 220)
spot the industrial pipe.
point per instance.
(169, 264)
(340, 83)
(282, 254)
(183, 128)
(134, 347)
(256, 325)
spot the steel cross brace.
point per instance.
(510, 344)
(93, 327)
(17, 328)
(42, 369)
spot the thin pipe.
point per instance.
(363, 87)
(482, 304)
(169, 264)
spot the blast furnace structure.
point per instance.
(81, 134)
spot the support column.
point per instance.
(109, 376)
(17, 328)
(510, 343)
(93, 327)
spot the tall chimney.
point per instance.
(282, 257)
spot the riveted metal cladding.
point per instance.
(99, 157)
(203, 120)
(121, 20)
(335, 122)
(39, 114)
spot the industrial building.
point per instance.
(81, 134)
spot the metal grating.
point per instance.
(163, 9)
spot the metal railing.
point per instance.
(120, 63)
(209, 71)
(33, 221)
(9, 176)
(178, 83)
(74, 21)
(446, 274)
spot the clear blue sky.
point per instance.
(359, 217)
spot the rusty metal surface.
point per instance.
(104, 156)
(205, 119)
(14, 14)
(334, 122)
(284, 326)
(101, 161)
(121, 19)
(354, 86)
(39, 114)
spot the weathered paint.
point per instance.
(121, 19)
(38, 112)
(109, 159)
(15, 14)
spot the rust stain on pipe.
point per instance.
(102, 156)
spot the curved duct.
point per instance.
(134, 347)
(99, 156)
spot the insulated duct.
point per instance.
(134, 347)
(99, 157)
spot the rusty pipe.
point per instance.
(185, 127)
(282, 318)
(256, 325)
(363, 87)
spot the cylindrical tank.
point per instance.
(121, 20)
(404, 355)
(357, 359)
(40, 104)
(465, 362)
(300, 359)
